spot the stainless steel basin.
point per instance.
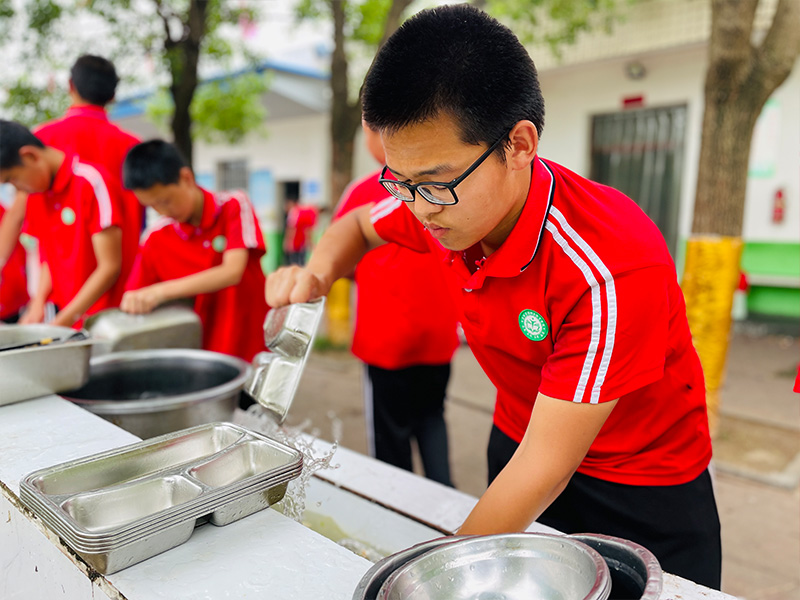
(512, 566)
(151, 392)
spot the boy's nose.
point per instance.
(423, 209)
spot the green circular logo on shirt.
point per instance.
(219, 243)
(533, 325)
(68, 216)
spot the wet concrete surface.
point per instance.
(757, 451)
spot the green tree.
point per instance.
(178, 35)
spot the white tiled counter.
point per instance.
(265, 555)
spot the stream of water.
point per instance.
(293, 504)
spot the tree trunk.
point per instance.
(739, 80)
(184, 56)
(345, 116)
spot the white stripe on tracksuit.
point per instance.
(566, 244)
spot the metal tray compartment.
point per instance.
(245, 460)
(106, 510)
(120, 507)
(96, 472)
(41, 370)
(289, 333)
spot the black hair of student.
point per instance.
(150, 163)
(453, 60)
(14, 136)
(95, 79)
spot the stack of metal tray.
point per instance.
(120, 507)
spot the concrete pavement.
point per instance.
(757, 453)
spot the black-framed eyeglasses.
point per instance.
(435, 192)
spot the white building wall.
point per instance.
(775, 164)
(294, 149)
(573, 94)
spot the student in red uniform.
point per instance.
(570, 298)
(86, 132)
(207, 247)
(74, 210)
(300, 221)
(408, 362)
(13, 282)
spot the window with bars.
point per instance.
(232, 175)
(640, 153)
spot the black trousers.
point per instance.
(402, 404)
(679, 524)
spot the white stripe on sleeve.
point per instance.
(611, 299)
(98, 184)
(597, 312)
(384, 208)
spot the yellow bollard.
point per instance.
(338, 305)
(710, 277)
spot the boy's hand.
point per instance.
(142, 301)
(34, 313)
(289, 285)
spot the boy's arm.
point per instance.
(107, 245)
(34, 312)
(337, 253)
(557, 439)
(11, 225)
(229, 273)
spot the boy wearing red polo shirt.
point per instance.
(73, 209)
(407, 364)
(207, 247)
(86, 132)
(13, 282)
(570, 299)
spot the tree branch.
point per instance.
(780, 49)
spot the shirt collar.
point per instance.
(64, 174)
(210, 212)
(87, 110)
(519, 249)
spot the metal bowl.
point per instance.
(509, 566)
(370, 584)
(152, 392)
(635, 571)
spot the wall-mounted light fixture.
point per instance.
(635, 70)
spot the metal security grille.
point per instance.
(232, 175)
(640, 153)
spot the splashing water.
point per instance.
(256, 418)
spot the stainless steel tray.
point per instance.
(41, 370)
(289, 332)
(169, 326)
(123, 506)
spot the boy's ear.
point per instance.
(186, 176)
(524, 139)
(30, 154)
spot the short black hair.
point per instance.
(95, 79)
(14, 136)
(151, 163)
(453, 60)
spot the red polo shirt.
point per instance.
(87, 132)
(582, 303)
(13, 281)
(302, 219)
(394, 282)
(232, 317)
(83, 200)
